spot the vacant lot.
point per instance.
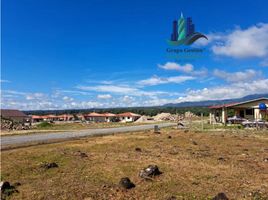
(195, 165)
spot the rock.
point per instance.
(138, 149)
(194, 142)
(186, 131)
(83, 155)
(49, 165)
(171, 198)
(7, 189)
(4, 185)
(265, 159)
(150, 171)
(126, 183)
(220, 196)
(169, 137)
(221, 158)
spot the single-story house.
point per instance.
(14, 115)
(109, 117)
(94, 117)
(100, 117)
(65, 117)
(37, 118)
(255, 109)
(128, 117)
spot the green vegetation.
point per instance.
(43, 125)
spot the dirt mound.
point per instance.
(167, 117)
(162, 116)
(190, 115)
(144, 119)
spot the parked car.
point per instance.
(235, 120)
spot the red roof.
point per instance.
(94, 114)
(222, 106)
(109, 115)
(65, 115)
(237, 103)
(37, 117)
(128, 114)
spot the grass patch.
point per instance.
(189, 171)
(43, 125)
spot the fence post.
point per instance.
(202, 121)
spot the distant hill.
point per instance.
(215, 102)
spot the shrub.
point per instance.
(44, 125)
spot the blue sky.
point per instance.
(59, 54)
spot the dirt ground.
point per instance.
(195, 165)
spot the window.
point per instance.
(249, 112)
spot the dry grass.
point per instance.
(189, 171)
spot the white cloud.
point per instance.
(155, 80)
(34, 96)
(175, 66)
(127, 99)
(120, 90)
(109, 88)
(241, 76)
(66, 98)
(4, 81)
(187, 68)
(251, 42)
(234, 90)
(104, 96)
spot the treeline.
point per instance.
(150, 111)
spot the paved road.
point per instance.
(20, 140)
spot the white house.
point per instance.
(128, 117)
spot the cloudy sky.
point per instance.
(59, 54)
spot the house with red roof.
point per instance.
(128, 117)
(100, 117)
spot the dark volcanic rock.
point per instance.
(126, 183)
(171, 198)
(7, 189)
(220, 196)
(49, 165)
(138, 149)
(221, 159)
(150, 171)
